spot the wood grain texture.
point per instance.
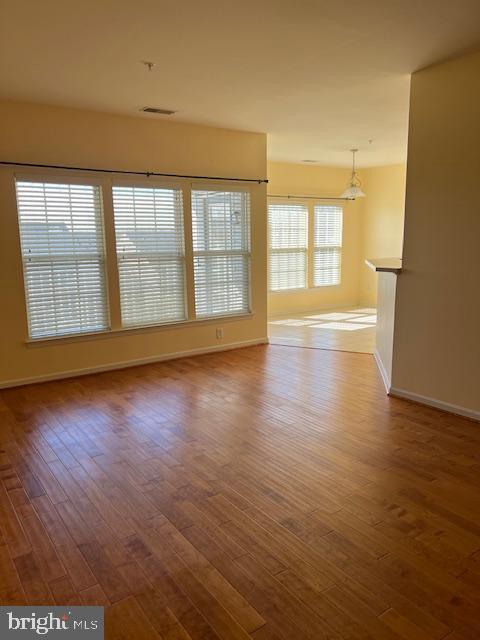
(266, 493)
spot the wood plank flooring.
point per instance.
(266, 493)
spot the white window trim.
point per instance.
(327, 246)
(145, 182)
(310, 287)
(227, 188)
(105, 182)
(79, 337)
(277, 292)
(45, 176)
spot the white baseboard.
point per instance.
(383, 373)
(415, 397)
(73, 373)
(437, 404)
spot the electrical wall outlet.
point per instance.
(219, 333)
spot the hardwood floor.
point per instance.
(266, 493)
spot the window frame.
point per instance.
(64, 177)
(225, 188)
(305, 251)
(105, 183)
(310, 204)
(326, 246)
(145, 183)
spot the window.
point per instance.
(63, 256)
(288, 246)
(221, 252)
(150, 254)
(327, 245)
(65, 260)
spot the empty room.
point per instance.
(239, 328)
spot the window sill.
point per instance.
(276, 292)
(303, 290)
(123, 331)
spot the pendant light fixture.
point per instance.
(353, 190)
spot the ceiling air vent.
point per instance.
(163, 112)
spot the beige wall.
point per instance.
(298, 179)
(51, 135)
(437, 322)
(373, 228)
(383, 218)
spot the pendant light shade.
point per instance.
(353, 190)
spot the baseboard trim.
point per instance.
(125, 364)
(383, 373)
(437, 404)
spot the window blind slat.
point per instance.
(61, 233)
(287, 225)
(221, 248)
(150, 254)
(327, 245)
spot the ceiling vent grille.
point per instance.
(163, 112)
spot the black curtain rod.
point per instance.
(269, 195)
(133, 173)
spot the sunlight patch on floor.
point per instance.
(335, 316)
(340, 326)
(342, 330)
(368, 319)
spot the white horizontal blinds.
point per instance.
(61, 232)
(287, 232)
(221, 252)
(150, 254)
(327, 245)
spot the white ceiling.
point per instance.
(319, 77)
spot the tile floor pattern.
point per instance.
(341, 330)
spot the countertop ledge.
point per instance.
(392, 265)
